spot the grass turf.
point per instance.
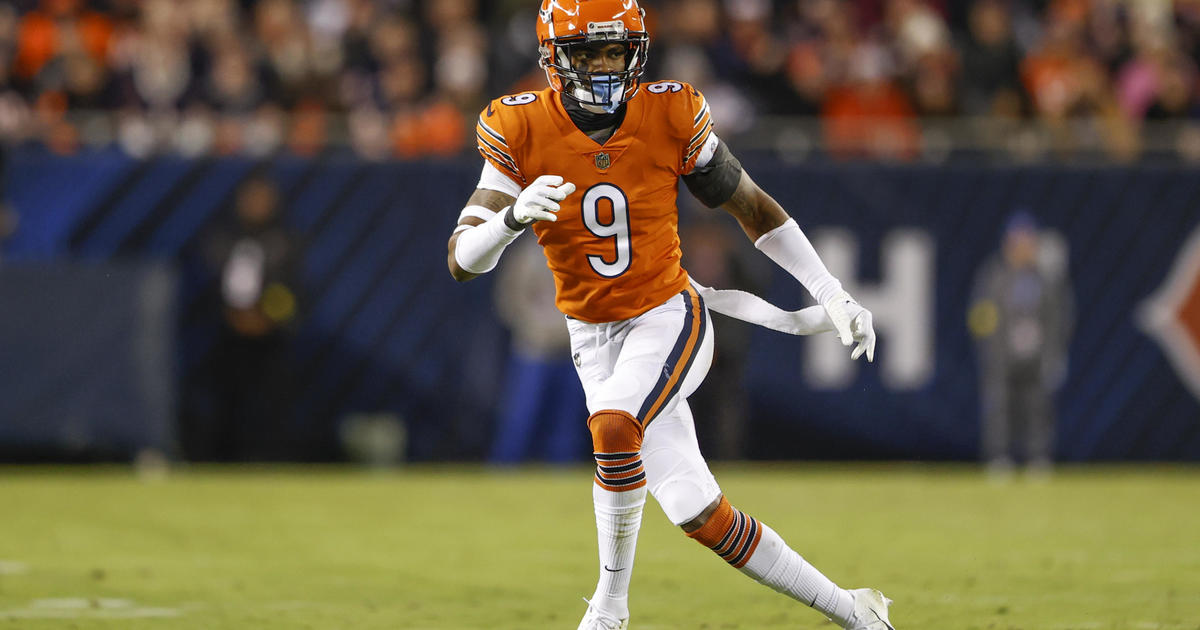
(454, 547)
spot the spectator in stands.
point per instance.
(990, 60)
(823, 43)
(254, 260)
(255, 76)
(1021, 319)
(1064, 81)
(1158, 83)
(934, 83)
(233, 86)
(59, 27)
(9, 20)
(13, 109)
(753, 55)
(870, 116)
(1175, 98)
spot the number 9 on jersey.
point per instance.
(618, 228)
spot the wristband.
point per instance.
(511, 221)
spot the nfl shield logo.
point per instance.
(602, 161)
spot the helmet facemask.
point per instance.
(606, 90)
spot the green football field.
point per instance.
(460, 547)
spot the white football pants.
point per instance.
(628, 366)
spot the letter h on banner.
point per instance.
(902, 304)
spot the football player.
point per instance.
(590, 165)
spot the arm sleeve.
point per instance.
(493, 146)
(493, 178)
(789, 248)
(479, 247)
(716, 176)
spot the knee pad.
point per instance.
(682, 499)
(617, 446)
(615, 432)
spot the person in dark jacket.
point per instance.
(254, 260)
(1021, 318)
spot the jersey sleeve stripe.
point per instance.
(700, 134)
(485, 140)
(492, 132)
(695, 148)
(508, 160)
(500, 162)
(700, 116)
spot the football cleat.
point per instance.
(596, 619)
(870, 610)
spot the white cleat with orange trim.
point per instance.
(596, 619)
(870, 610)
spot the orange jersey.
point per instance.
(614, 249)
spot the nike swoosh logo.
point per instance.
(612, 570)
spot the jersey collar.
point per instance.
(626, 130)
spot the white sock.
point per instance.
(618, 519)
(776, 565)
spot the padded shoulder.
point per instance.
(501, 128)
(687, 116)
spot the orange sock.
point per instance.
(730, 533)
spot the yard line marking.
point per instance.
(291, 605)
(71, 603)
(78, 613)
(13, 567)
(87, 607)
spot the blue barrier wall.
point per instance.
(1125, 228)
(87, 360)
(386, 328)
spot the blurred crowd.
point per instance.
(405, 78)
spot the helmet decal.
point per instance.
(547, 13)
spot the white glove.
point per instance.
(539, 200)
(852, 323)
